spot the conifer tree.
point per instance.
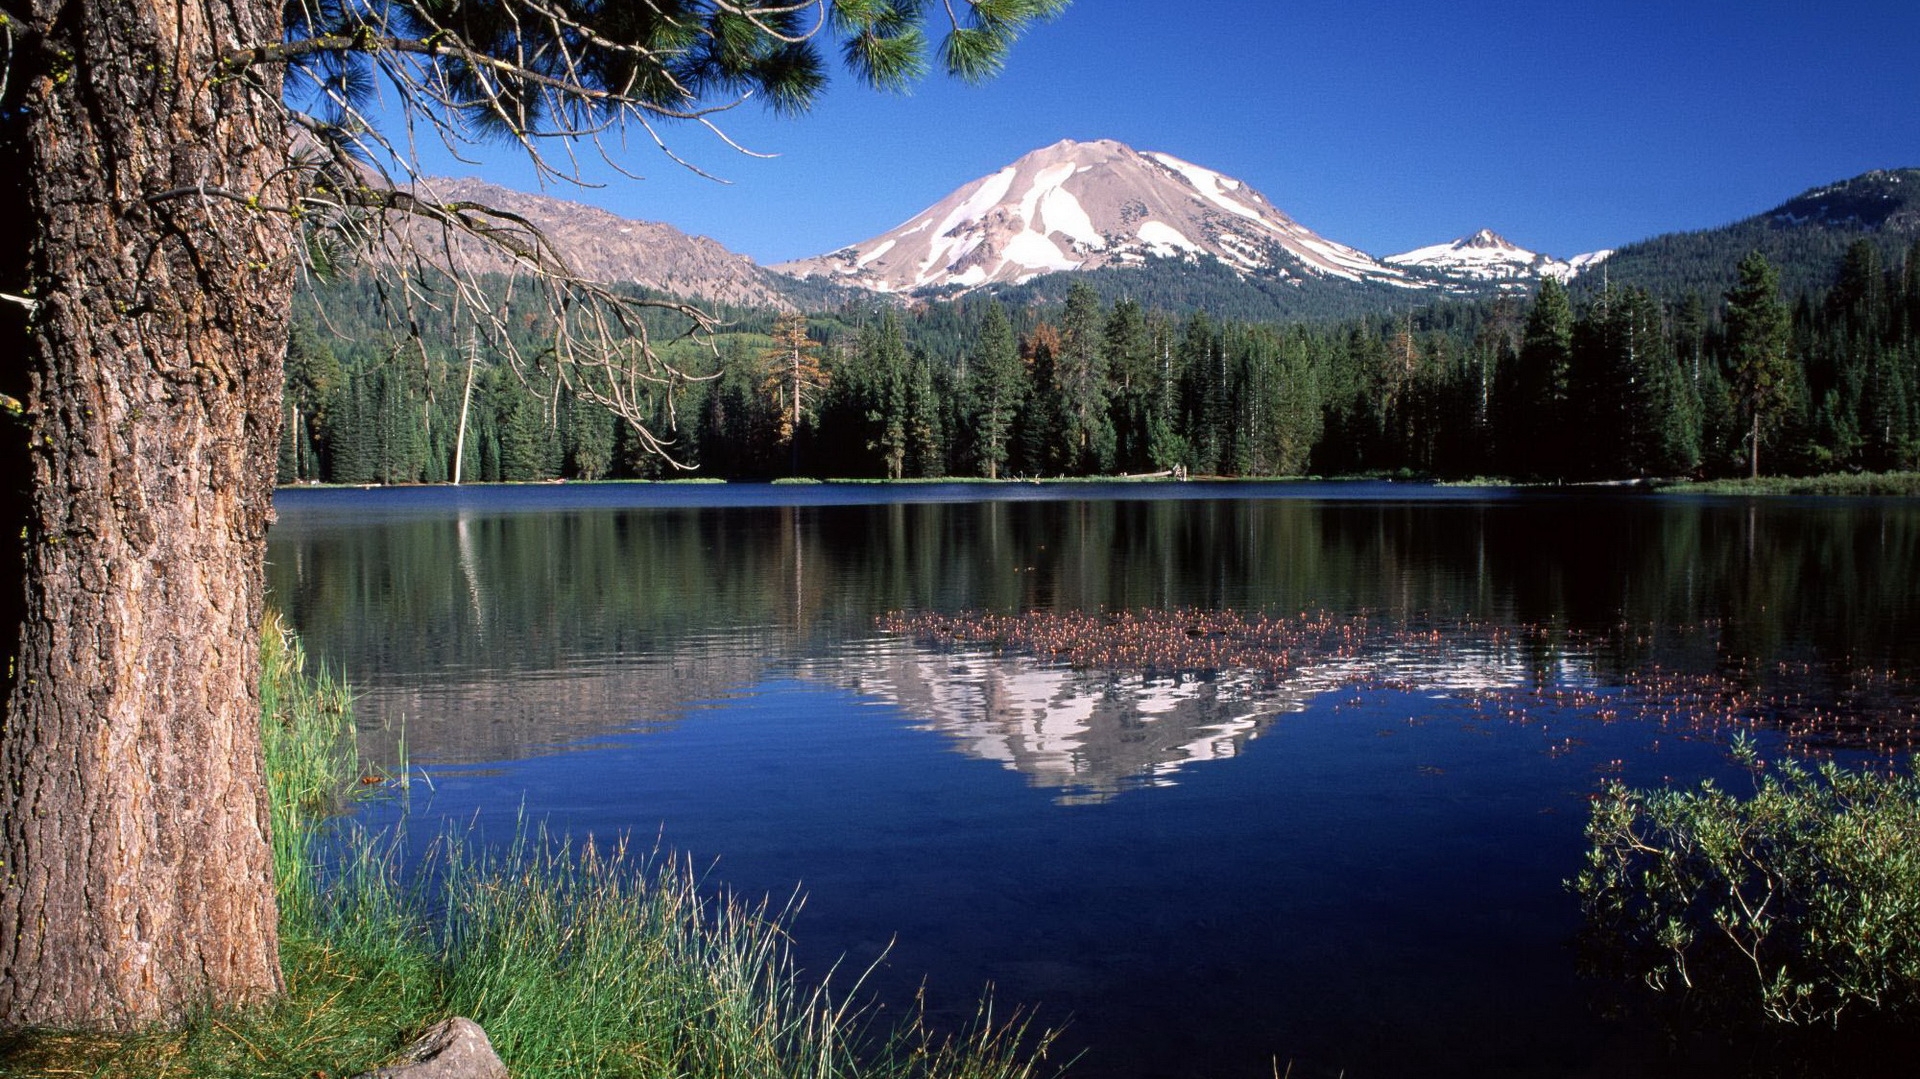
(1080, 375)
(1891, 440)
(1758, 364)
(1258, 399)
(1543, 386)
(1166, 445)
(1042, 426)
(525, 448)
(1595, 410)
(313, 378)
(1203, 393)
(1362, 410)
(1689, 335)
(924, 447)
(1844, 360)
(1129, 349)
(590, 439)
(350, 434)
(1298, 419)
(999, 389)
(1911, 290)
(1662, 417)
(738, 429)
(886, 362)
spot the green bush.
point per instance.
(1802, 899)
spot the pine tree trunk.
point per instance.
(138, 879)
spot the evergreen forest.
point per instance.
(1601, 383)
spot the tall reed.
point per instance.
(306, 733)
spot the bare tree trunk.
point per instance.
(138, 878)
(466, 399)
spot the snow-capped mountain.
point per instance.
(1488, 257)
(1087, 205)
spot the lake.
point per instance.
(1282, 776)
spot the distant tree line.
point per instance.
(1606, 383)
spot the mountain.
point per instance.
(611, 249)
(1886, 200)
(1486, 256)
(1083, 206)
(1166, 232)
(1805, 237)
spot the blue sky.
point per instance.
(1385, 124)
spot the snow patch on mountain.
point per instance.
(1208, 183)
(1579, 264)
(1061, 212)
(990, 191)
(1037, 254)
(1164, 239)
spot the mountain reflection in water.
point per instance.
(1130, 697)
(1326, 821)
(1086, 735)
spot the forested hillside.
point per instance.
(1184, 284)
(1620, 382)
(1804, 237)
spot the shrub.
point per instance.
(1803, 898)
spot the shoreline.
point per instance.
(1832, 484)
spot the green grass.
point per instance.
(579, 959)
(1839, 483)
(306, 731)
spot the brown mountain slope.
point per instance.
(605, 247)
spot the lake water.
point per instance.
(1289, 776)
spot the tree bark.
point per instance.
(137, 875)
